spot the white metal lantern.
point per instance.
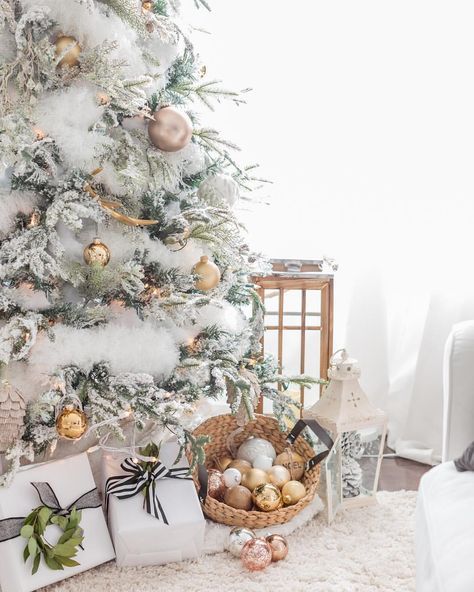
(358, 429)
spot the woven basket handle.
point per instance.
(318, 431)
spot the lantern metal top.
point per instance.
(342, 367)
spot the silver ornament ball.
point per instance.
(238, 536)
(253, 447)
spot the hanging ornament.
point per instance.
(238, 497)
(292, 492)
(267, 497)
(256, 554)
(218, 189)
(39, 134)
(238, 536)
(209, 274)
(279, 546)
(71, 422)
(12, 412)
(170, 129)
(97, 253)
(147, 6)
(103, 99)
(293, 462)
(34, 220)
(71, 57)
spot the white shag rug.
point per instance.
(364, 550)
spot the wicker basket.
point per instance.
(219, 428)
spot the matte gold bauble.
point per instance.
(279, 546)
(71, 57)
(170, 129)
(215, 485)
(238, 497)
(293, 462)
(71, 423)
(267, 497)
(256, 554)
(292, 492)
(97, 252)
(242, 465)
(222, 462)
(253, 478)
(278, 475)
(209, 274)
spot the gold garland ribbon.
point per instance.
(111, 206)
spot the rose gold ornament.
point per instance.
(209, 274)
(97, 252)
(39, 133)
(71, 57)
(256, 554)
(215, 485)
(238, 497)
(279, 546)
(170, 129)
(71, 423)
(293, 462)
(253, 478)
(267, 497)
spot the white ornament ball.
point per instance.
(253, 447)
(262, 461)
(232, 477)
(218, 189)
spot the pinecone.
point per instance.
(351, 444)
(351, 477)
(12, 411)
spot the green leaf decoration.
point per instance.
(57, 556)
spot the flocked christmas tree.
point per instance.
(124, 271)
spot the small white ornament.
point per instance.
(254, 447)
(232, 477)
(262, 461)
(219, 188)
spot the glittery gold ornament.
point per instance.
(71, 423)
(267, 497)
(241, 465)
(256, 554)
(293, 462)
(71, 57)
(97, 252)
(253, 478)
(292, 492)
(170, 129)
(215, 485)
(209, 274)
(12, 412)
(238, 497)
(278, 475)
(279, 546)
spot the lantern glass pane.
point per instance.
(360, 461)
(333, 480)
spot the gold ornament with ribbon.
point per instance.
(71, 422)
(110, 206)
(70, 58)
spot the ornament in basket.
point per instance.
(273, 500)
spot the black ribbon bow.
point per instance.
(138, 479)
(10, 527)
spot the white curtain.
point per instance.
(362, 115)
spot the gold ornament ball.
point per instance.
(71, 423)
(215, 485)
(267, 497)
(209, 274)
(170, 129)
(222, 463)
(241, 465)
(256, 554)
(279, 546)
(103, 98)
(293, 462)
(238, 497)
(253, 478)
(147, 6)
(97, 252)
(292, 492)
(278, 475)
(71, 57)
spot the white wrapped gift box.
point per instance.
(69, 478)
(140, 538)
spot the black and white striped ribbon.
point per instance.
(137, 479)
